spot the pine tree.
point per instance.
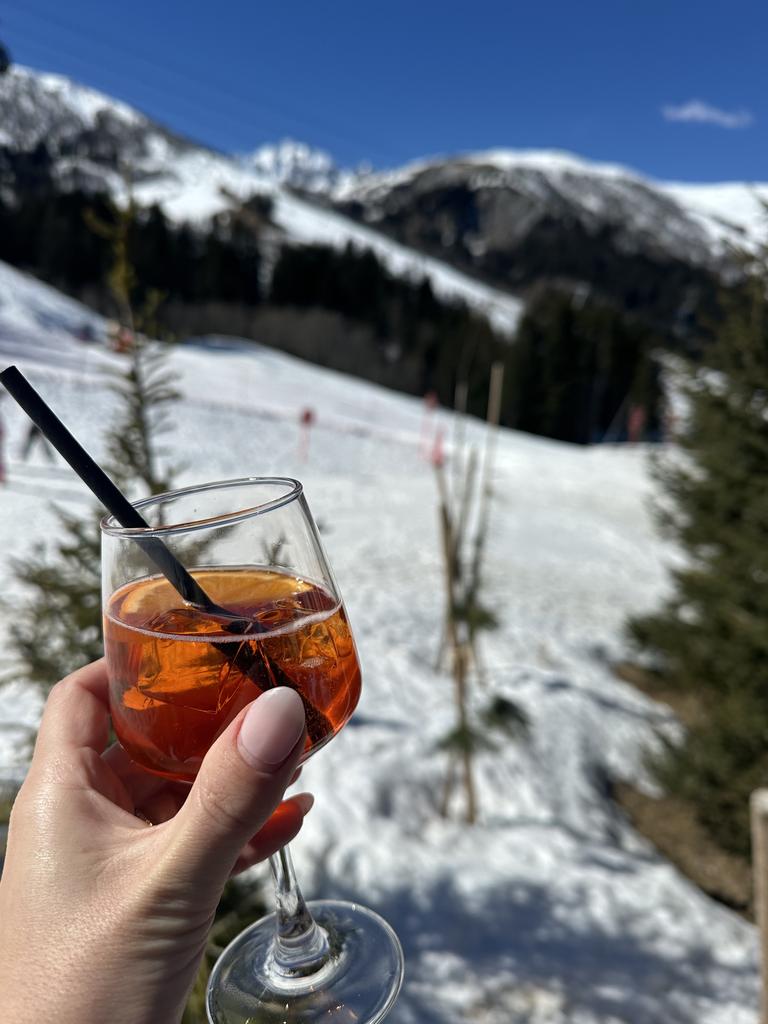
(711, 637)
(58, 628)
(578, 360)
(136, 458)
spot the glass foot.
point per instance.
(357, 984)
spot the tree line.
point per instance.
(571, 374)
(51, 234)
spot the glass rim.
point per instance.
(294, 489)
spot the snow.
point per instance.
(554, 161)
(295, 164)
(551, 909)
(80, 99)
(192, 187)
(191, 183)
(39, 106)
(306, 222)
(202, 183)
(696, 222)
(40, 320)
(734, 213)
(554, 183)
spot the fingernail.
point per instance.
(304, 802)
(271, 728)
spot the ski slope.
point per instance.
(551, 909)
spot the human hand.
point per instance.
(104, 919)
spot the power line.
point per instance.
(187, 75)
(180, 99)
(88, 62)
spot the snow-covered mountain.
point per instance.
(513, 189)
(89, 137)
(83, 128)
(296, 165)
(93, 139)
(482, 227)
(551, 910)
(39, 107)
(522, 219)
(731, 212)
(489, 203)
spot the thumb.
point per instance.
(240, 783)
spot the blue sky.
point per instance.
(676, 89)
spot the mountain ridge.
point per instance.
(94, 139)
(490, 229)
(37, 106)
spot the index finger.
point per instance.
(76, 714)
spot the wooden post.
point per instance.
(459, 654)
(484, 500)
(758, 806)
(460, 666)
(460, 399)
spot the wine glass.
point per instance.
(259, 608)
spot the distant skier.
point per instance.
(306, 422)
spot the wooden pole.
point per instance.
(464, 510)
(459, 655)
(481, 531)
(460, 664)
(492, 430)
(446, 535)
(758, 806)
(460, 399)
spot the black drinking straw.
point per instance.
(256, 664)
(108, 493)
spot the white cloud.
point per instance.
(705, 113)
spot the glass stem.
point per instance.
(300, 947)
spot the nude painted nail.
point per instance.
(271, 728)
